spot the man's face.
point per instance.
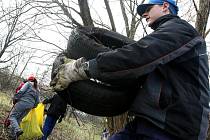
(155, 11)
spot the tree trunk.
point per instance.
(202, 16)
(85, 13)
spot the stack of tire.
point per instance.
(91, 96)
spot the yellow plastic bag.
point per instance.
(32, 123)
(40, 114)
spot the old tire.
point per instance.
(89, 41)
(89, 96)
(98, 99)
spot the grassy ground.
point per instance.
(5, 107)
(68, 129)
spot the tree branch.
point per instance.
(66, 12)
(110, 15)
(85, 13)
(125, 17)
(207, 32)
(196, 8)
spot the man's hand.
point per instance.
(68, 73)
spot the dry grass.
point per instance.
(5, 107)
(70, 130)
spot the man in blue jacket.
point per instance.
(173, 101)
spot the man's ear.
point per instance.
(165, 7)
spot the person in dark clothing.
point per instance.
(172, 102)
(55, 113)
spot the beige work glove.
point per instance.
(70, 72)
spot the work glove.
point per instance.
(68, 73)
(59, 60)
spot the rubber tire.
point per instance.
(59, 60)
(98, 99)
(88, 96)
(88, 42)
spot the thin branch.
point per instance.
(125, 17)
(4, 61)
(207, 32)
(144, 27)
(110, 15)
(42, 50)
(50, 65)
(196, 8)
(66, 12)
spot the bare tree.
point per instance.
(202, 16)
(131, 10)
(16, 63)
(20, 24)
(14, 26)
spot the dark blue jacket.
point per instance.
(175, 94)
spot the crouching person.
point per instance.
(55, 112)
